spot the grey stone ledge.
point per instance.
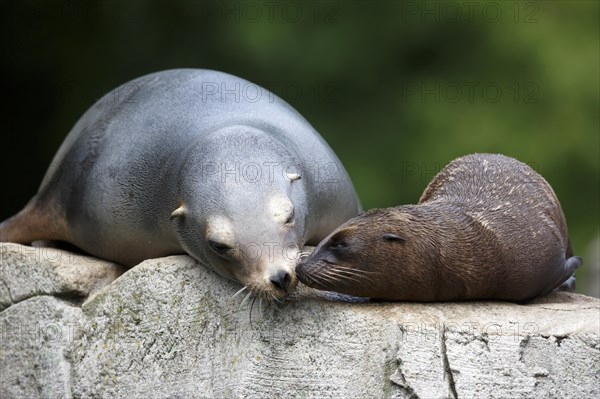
(77, 327)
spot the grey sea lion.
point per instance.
(486, 227)
(193, 161)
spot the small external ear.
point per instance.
(292, 177)
(393, 237)
(178, 213)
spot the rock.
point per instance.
(171, 328)
(26, 272)
(35, 336)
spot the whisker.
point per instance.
(354, 271)
(239, 292)
(343, 274)
(330, 275)
(251, 307)
(274, 303)
(245, 299)
(353, 277)
(326, 277)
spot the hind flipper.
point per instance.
(571, 264)
(563, 276)
(31, 224)
(19, 228)
(568, 285)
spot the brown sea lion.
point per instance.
(486, 227)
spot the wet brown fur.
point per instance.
(486, 227)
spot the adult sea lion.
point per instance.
(192, 161)
(486, 227)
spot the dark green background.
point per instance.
(397, 88)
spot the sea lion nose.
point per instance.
(281, 280)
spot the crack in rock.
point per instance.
(10, 296)
(447, 370)
(73, 298)
(398, 379)
(522, 345)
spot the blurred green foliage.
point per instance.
(398, 88)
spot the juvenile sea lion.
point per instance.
(192, 161)
(486, 227)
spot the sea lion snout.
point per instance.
(305, 271)
(281, 280)
(270, 279)
(323, 268)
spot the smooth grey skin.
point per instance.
(228, 155)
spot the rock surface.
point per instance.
(27, 271)
(170, 328)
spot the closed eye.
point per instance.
(338, 245)
(392, 238)
(219, 247)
